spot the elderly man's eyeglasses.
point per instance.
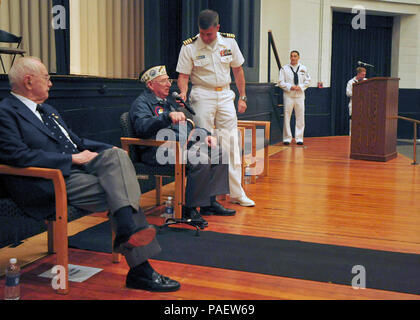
(162, 82)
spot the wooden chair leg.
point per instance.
(61, 245)
(242, 151)
(158, 189)
(254, 155)
(58, 243)
(179, 191)
(266, 146)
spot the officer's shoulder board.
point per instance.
(189, 40)
(227, 35)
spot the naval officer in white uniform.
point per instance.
(360, 76)
(294, 79)
(207, 58)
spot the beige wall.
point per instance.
(106, 38)
(275, 16)
(306, 26)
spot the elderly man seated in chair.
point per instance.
(155, 114)
(98, 176)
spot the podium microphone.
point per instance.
(177, 97)
(360, 63)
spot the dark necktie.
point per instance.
(65, 145)
(295, 76)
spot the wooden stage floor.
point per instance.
(313, 193)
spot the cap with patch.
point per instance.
(153, 73)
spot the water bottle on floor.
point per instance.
(12, 285)
(169, 208)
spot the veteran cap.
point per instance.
(152, 73)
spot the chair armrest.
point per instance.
(127, 142)
(50, 174)
(252, 123)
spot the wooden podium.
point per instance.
(374, 119)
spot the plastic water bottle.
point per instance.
(169, 208)
(12, 285)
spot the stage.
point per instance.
(314, 194)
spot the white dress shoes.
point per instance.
(243, 201)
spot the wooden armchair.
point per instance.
(129, 143)
(252, 125)
(57, 229)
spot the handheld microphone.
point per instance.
(177, 97)
(360, 63)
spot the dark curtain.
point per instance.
(169, 22)
(371, 45)
(170, 33)
(62, 41)
(236, 16)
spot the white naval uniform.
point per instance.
(294, 100)
(211, 97)
(349, 91)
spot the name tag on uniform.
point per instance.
(201, 62)
(200, 57)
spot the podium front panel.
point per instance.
(374, 123)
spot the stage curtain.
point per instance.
(106, 38)
(30, 19)
(236, 16)
(62, 38)
(371, 45)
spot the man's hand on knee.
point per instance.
(83, 157)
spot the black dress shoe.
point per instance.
(217, 209)
(194, 215)
(286, 143)
(138, 238)
(157, 283)
(299, 143)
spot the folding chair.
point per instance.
(7, 37)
